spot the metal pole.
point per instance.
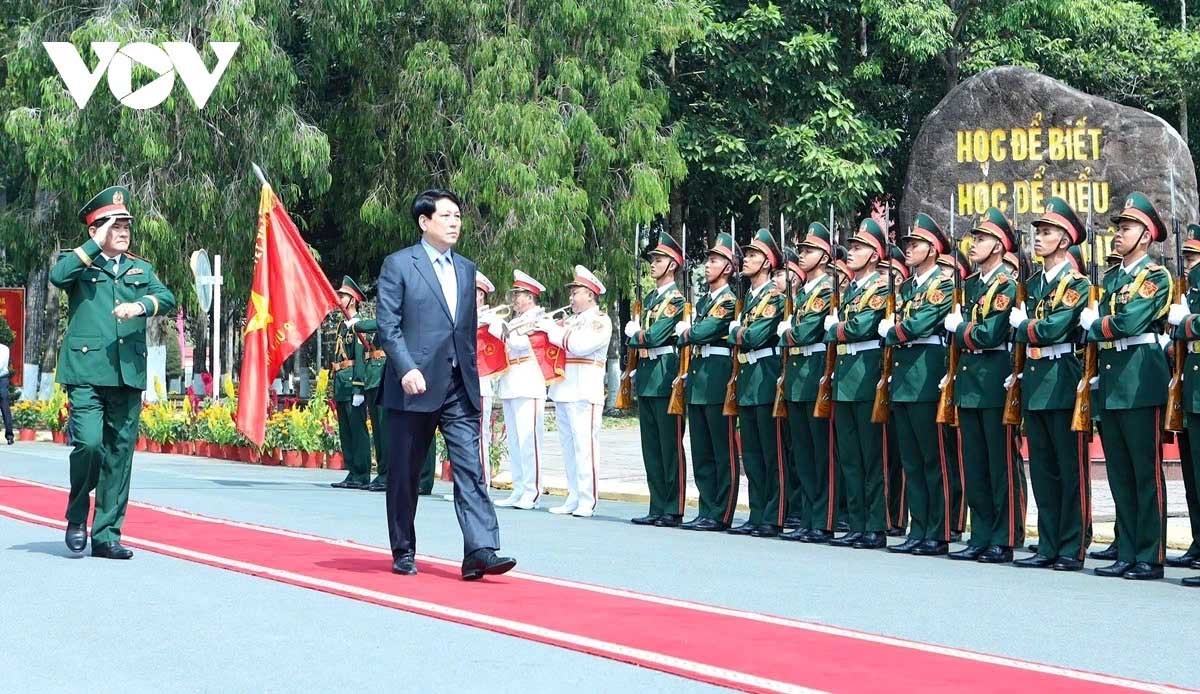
(216, 334)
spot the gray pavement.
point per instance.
(1141, 630)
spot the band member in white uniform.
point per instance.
(579, 396)
(483, 287)
(522, 393)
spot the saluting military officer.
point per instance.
(994, 479)
(102, 365)
(579, 395)
(918, 366)
(349, 369)
(1133, 386)
(856, 378)
(1049, 324)
(1186, 319)
(893, 469)
(754, 335)
(803, 336)
(653, 335)
(714, 456)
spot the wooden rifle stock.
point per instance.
(823, 409)
(1175, 388)
(947, 413)
(1012, 399)
(1081, 415)
(779, 411)
(625, 391)
(677, 405)
(730, 409)
(880, 409)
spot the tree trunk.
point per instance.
(764, 208)
(35, 307)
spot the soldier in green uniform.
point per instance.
(803, 336)
(1185, 316)
(1049, 324)
(714, 457)
(954, 262)
(1133, 386)
(349, 369)
(786, 281)
(754, 335)
(1112, 265)
(994, 483)
(893, 470)
(856, 378)
(375, 361)
(918, 366)
(653, 335)
(102, 365)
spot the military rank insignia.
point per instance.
(1147, 290)
(136, 270)
(1000, 302)
(1070, 297)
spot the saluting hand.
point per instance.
(101, 235)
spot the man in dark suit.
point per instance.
(427, 326)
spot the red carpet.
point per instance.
(738, 649)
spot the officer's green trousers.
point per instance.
(814, 462)
(1133, 457)
(1059, 473)
(860, 458)
(926, 484)
(355, 440)
(994, 478)
(714, 461)
(104, 428)
(662, 454)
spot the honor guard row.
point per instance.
(888, 389)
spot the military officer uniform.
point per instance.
(994, 481)
(374, 361)
(102, 365)
(893, 469)
(811, 452)
(955, 262)
(1133, 385)
(791, 494)
(1058, 458)
(522, 393)
(579, 395)
(714, 455)
(349, 369)
(918, 366)
(657, 368)
(1186, 320)
(855, 381)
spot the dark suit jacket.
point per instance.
(416, 331)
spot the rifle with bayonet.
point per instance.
(947, 413)
(677, 404)
(1081, 414)
(730, 408)
(779, 411)
(823, 408)
(1175, 388)
(625, 390)
(881, 407)
(1012, 399)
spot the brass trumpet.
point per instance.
(503, 312)
(527, 322)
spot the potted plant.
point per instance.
(55, 413)
(26, 415)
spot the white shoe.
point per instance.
(582, 513)
(526, 503)
(510, 501)
(563, 510)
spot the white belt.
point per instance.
(1126, 342)
(714, 350)
(1050, 351)
(999, 348)
(809, 350)
(754, 355)
(656, 352)
(927, 340)
(856, 347)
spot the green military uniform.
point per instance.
(102, 365)
(948, 435)
(657, 368)
(918, 366)
(349, 380)
(714, 456)
(893, 469)
(1058, 457)
(994, 476)
(375, 359)
(1188, 331)
(756, 341)
(811, 453)
(1133, 386)
(855, 381)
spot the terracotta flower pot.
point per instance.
(141, 444)
(59, 437)
(168, 447)
(27, 435)
(291, 459)
(249, 454)
(335, 461)
(202, 449)
(308, 459)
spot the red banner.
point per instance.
(12, 311)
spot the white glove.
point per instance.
(1094, 384)
(496, 329)
(953, 320)
(1017, 316)
(556, 333)
(1163, 340)
(351, 321)
(1177, 313)
(830, 321)
(101, 236)
(1008, 381)
(1088, 316)
(885, 325)
(942, 383)
(517, 341)
(785, 327)
(632, 328)
(734, 325)
(682, 327)
(357, 400)
(544, 325)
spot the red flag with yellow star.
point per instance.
(289, 298)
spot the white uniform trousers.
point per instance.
(579, 435)
(485, 438)
(524, 418)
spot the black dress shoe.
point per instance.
(956, 536)
(1144, 571)
(405, 564)
(709, 526)
(376, 487)
(766, 530)
(647, 519)
(1113, 570)
(996, 555)
(842, 527)
(818, 537)
(483, 562)
(668, 521)
(931, 548)
(876, 539)
(1190, 581)
(1032, 547)
(1067, 564)
(1107, 554)
(896, 532)
(76, 537)
(906, 546)
(1037, 561)
(797, 535)
(746, 528)
(968, 553)
(420, 492)
(9, 439)
(1184, 560)
(348, 484)
(111, 550)
(793, 522)
(846, 540)
(693, 523)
